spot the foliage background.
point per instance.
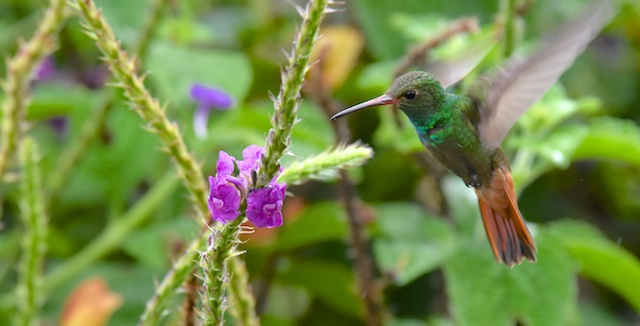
(576, 163)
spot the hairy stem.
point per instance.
(30, 284)
(20, 70)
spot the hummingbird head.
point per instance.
(414, 93)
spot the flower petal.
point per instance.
(210, 96)
(251, 159)
(224, 167)
(264, 206)
(200, 120)
(224, 202)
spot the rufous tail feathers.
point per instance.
(508, 235)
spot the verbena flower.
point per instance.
(264, 205)
(225, 191)
(207, 98)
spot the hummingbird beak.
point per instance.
(383, 99)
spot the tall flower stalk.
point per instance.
(225, 240)
(20, 70)
(30, 284)
(140, 100)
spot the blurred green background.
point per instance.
(575, 159)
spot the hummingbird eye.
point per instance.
(410, 94)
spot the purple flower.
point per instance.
(225, 191)
(264, 205)
(207, 99)
(46, 70)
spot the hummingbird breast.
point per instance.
(452, 138)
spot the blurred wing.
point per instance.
(506, 95)
(454, 69)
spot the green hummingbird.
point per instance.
(464, 132)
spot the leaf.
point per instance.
(50, 100)
(330, 282)
(286, 302)
(319, 222)
(559, 146)
(174, 68)
(390, 25)
(127, 18)
(602, 260)
(611, 138)
(151, 245)
(412, 243)
(483, 292)
(340, 46)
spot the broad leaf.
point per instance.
(483, 292)
(601, 260)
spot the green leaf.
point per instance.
(127, 18)
(151, 245)
(483, 292)
(175, 68)
(559, 147)
(319, 222)
(611, 138)
(330, 282)
(601, 260)
(390, 25)
(50, 100)
(412, 243)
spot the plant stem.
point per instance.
(20, 70)
(29, 289)
(241, 298)
(509, 14)
(286, 103)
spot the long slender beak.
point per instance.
(383, 99)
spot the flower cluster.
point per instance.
(264, 205)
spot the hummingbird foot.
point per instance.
(474, 182)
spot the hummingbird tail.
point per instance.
(508, 235)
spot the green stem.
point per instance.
(180, 271)
(286, 103)
(29, 289)
(509, 7)
(20, 70)
(115, 232)
(214, 264)
(241, 298)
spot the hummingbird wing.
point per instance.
(507, 94)
(456, 68)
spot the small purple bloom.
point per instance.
(225, 192)
(264, 205)
(59, 125)
(207, 99)
(46, 70)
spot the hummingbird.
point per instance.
(464, 131)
